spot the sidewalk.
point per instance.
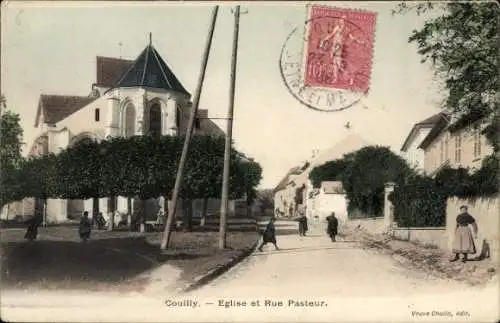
(433, 261)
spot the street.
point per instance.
(309, 279)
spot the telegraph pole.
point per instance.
(229, 135)
(178, 181)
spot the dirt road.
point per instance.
(310, 279)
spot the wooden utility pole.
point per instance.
(180, 172)
(229, 135)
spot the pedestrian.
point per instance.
(100, 221)
(302, 219)
(85, 227)
(269, 235)
(332, 228)
(463, 242)
(33, 224)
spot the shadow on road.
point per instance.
(298, 250)
(55, 264)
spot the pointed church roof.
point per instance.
(150, 70)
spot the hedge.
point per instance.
(141, 166)
(422, 201)
(363, 174)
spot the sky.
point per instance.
(51, 48)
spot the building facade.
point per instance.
(450, 144)
(410, 150)
(129, 98)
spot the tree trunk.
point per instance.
(44, 210)
(204, 212)
(129, 213)
(188, 214)
(164, 209)
(111, 210)
(141, 218)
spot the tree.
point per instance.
(364, 174)
(330, 171)
(461, 42)
(266, 200)
(11, 141)
(140, 166)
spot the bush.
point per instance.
(422, 201)
(364, 174)
(419, 204)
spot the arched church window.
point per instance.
(129, 120)
(178, 116)
(155, 120)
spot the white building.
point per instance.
(330, 197)
(296, 190)
(411, 150)
(139, 97)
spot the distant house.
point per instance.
(456, 144)
(330, 197)
(411, 151)
(295, 190)
(283, 193)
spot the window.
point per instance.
(446, 147)
(441, 152)
(178, 116)
(129, 120)
(477, 143)
(197, 123)
(458, 147)
(97, 114)
(155, 120)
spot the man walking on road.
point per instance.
(302, 219)
(332, 228)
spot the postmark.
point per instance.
(326, 63)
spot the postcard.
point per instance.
(249, 161)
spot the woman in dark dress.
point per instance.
(269, 235)
(332, 228)
(463, 242)
(85, 227)
(32, 230)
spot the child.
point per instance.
(269, 235)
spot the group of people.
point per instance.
(332, 227)
(84, 227)
(463, 242)
(269, 234)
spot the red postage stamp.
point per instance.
(339, 50)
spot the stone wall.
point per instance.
(426, 236)
(370, 225)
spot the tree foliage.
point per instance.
(422, 201)
(364, 174)
(141, 166)
(265, 197)
(11, 141)
(462, 44)
(330, 171)
(419, 204)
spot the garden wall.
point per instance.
(428, 236)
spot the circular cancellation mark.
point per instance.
(326, 63)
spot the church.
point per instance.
(129, 97)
